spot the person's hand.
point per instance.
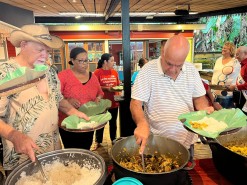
(209, 110)
(23, 144)
(231, 87)
(81, 115)
(97, 99)
(217, 106)
(74, 102)
(111, 89)
(141, 134)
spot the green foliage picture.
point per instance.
(220, 29)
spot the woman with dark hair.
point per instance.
(108, 78)
(141, 63)
(78, 86)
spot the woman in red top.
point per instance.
(78, 86)
(108, 78)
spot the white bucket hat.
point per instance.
(36, 33)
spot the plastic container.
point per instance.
(127, 181)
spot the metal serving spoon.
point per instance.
(45, 178)
(143, 163)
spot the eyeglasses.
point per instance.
(223, 77)
(82, 61)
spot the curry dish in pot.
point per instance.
(239, 147)
(153, 163)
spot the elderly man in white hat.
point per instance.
(29, 118)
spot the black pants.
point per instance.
(112, 125)
(239, 99)
(76, 140)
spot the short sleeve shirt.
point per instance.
(71, 87)
(28, 112)
(225, 74)
(165, 99)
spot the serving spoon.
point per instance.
(143, 162)
(45, 178)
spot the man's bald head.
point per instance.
(241, 53)
(175, 52)
(178, 46)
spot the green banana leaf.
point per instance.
(91, 108)
(235, 31)
(118, 88)
(22, 75)
(234, 118)
(74, 122)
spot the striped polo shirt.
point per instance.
(165, 99)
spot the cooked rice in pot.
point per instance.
(59, 174)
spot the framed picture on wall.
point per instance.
(3, 51)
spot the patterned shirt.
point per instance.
(71, 87)
(225, 74)
(30, 113)
(165, 99)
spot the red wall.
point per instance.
(11, 49)
(101, 35)
(114, 49)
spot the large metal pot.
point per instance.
(78, 156)
(155, 143)
(230, 164)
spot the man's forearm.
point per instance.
(66, 107)
(137, 112)
(5, 130)
(200, 102)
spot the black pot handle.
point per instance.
(206, 140)
(191, 167)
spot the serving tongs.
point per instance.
(37, 162)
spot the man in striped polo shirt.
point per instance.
(168, 87)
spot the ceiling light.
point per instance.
(150, 17)
(78, 17)
(74, 1)
(193, 13)
(137, 14)
(73, 14)
(166, 13)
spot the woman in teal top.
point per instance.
(141, 63)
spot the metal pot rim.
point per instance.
(61, 151)
(162, 173)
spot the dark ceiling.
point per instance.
(49, 11)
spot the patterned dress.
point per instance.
(32, 114)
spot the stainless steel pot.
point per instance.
(230, 164)
(155, 143)
(78, 156)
